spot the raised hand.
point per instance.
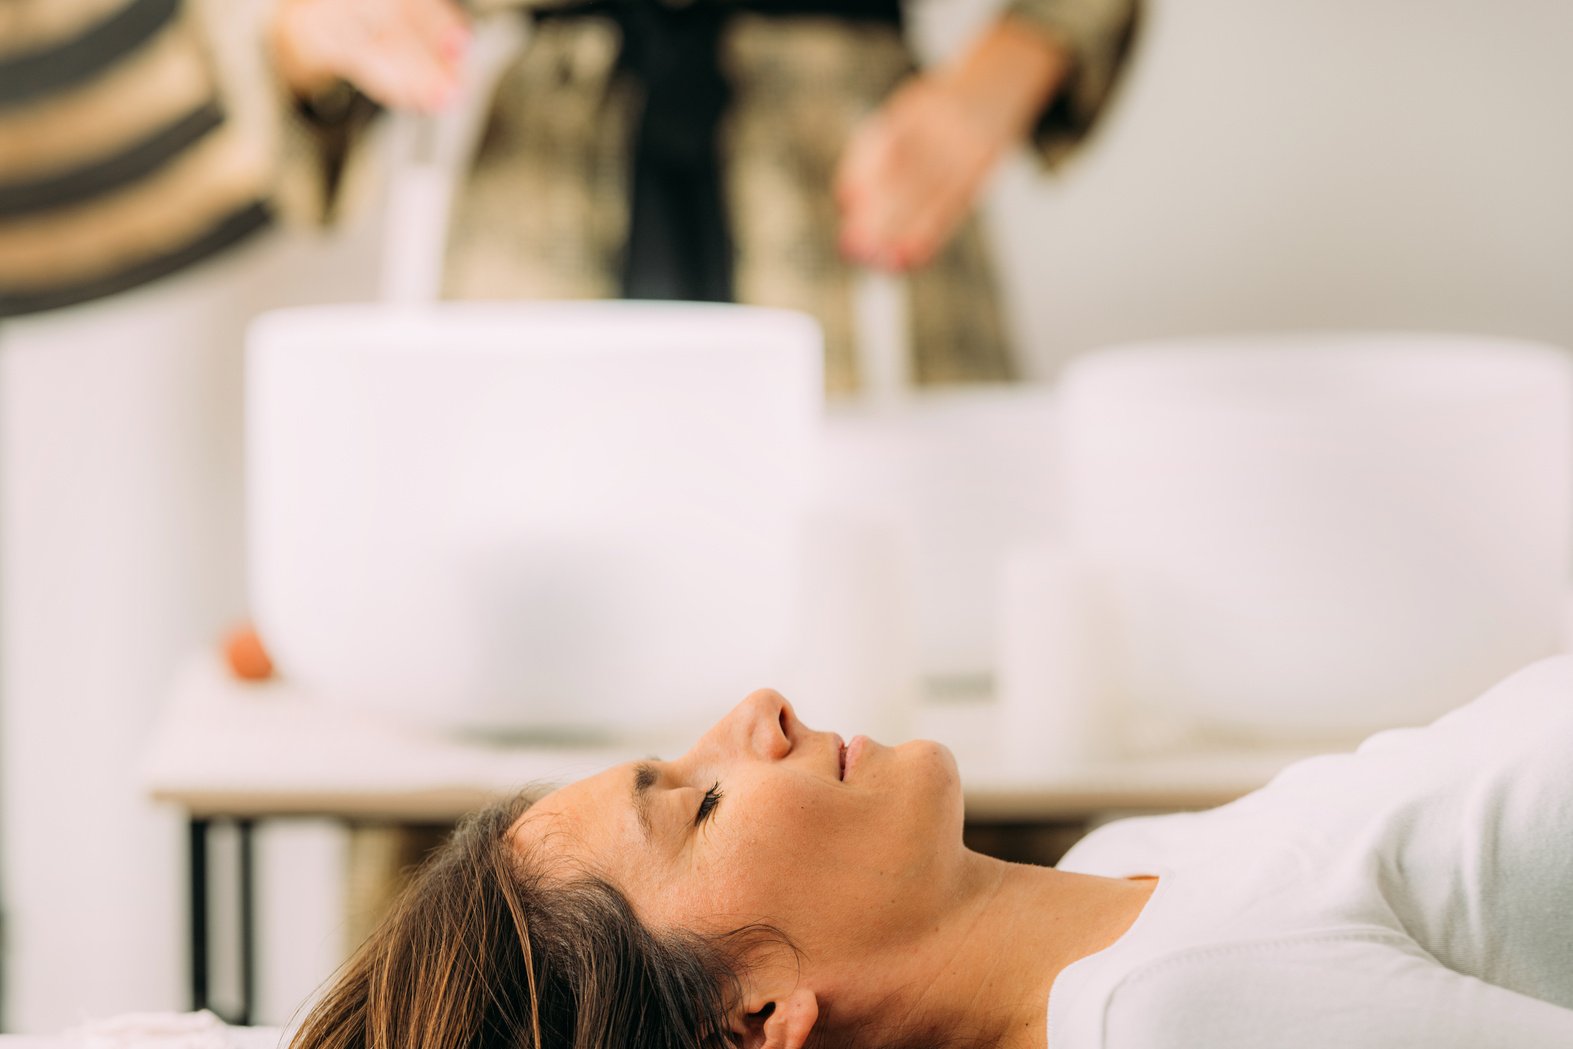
(405, 54)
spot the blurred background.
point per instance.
(1261, 168)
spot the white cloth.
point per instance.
(1418, 891)
(159, 1030)
(195, 1030)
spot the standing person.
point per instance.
(727, 150)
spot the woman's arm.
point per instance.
(913, 170)
(1042, 73)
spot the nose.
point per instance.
(762, 726)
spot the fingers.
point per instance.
(443, 25)
(894, 218)
(406, 54)
(909, 177)
(867, 185)
(402, 72)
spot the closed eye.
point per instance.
(708, 803)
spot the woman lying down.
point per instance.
(775, 888)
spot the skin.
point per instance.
(897, 924)
(915, 169)
(911, 173)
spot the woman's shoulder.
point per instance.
(1354, 988)
(1525, 703)
(1520, 730)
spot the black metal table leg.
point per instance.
(248, 940)
(198, 855)
(246, 924)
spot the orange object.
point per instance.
(248, 660)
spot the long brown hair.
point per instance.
(488, 947)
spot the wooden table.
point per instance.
(228, 751)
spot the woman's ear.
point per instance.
(783, 1022)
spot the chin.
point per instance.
(938, 754)
(937, 781)
(935, 766)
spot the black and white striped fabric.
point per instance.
(117, 165)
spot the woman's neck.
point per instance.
(986, 971)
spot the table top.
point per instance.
(227, 748)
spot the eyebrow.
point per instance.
(645, 776)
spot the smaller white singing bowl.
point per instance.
(554, 519)
(1318, 535)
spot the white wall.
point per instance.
(121, 551)
(1324, 163)
(1336, 163)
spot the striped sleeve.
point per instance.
(119, 160)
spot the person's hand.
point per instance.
(911, 173)
(913, 170)
(405, 54)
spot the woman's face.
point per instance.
(845, 849)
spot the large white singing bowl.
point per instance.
(560, 519)
(1320, 535)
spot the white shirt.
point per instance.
(1417, 892)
